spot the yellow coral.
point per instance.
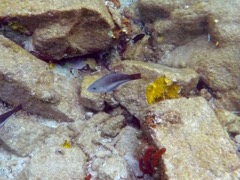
(67, 144)
(162, 88)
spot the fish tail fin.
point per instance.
(19, 107)
(136, 76)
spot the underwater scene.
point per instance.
(120, 90)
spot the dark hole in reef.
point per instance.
(233, 134)
(202, 85)
(203, 26)
(107, 107)
(134, 122)
(130, 120)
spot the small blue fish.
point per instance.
(6, 115)
(111, 81)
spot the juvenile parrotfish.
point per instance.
(6, 115)
(111, 81)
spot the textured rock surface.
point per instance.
(55, 162)
(113, 168)
(197, 146)
(218, 68)
(139, 51)
(223, 21)
(62, 28)
(11, 165)
(132, 95)
(177, 21)
(128, 145)
(21, 134)
(104, 161)
(113, 126)
(229, 121)
(27, 80)
(90, 100)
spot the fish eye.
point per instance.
(94, 88)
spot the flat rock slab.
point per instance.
(104, 161)
(55, 162)
(21, 134)
(178, 18)
(26, 80)
(224, 29)
(218, 68)
(197, 146)
(61, 28)
(132, 95)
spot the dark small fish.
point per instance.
(6, 115)
(138, 37)
(111, 81)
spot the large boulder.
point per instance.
(54, 161)
(26, 80)
(179, 22)
(61, 28)
(218, 69)
(196, 145)
(21, 134)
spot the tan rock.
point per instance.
(223, 22)
(113, 168)
(229, 121)
(132, 95)
(138, 51)
(55, 162)
(218, 68)
(184, 56)
(128, 145)
(89, 135)
(177, 22)
(229, 100)
(90, 100)
(197, 146)
(21, 134)
(62, 28)
(11, 165)
(113, 126)
(26, 80)
(104, 161)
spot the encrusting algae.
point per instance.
(162, 88)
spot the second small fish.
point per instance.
(6, 115)
(111, 81)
